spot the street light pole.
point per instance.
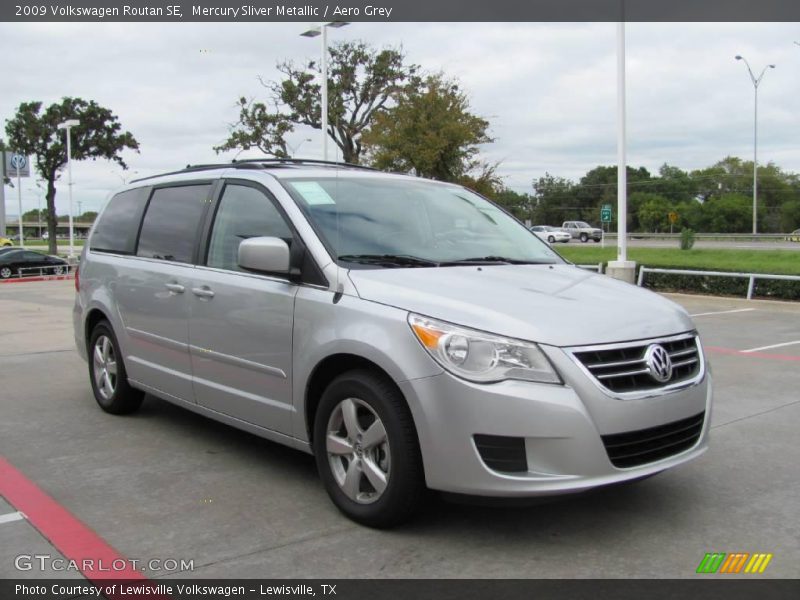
(322, 30)
(621, 268)
(756, 81)
(67, 126)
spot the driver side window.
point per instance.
(243, 212)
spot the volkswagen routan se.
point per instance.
(409, 333)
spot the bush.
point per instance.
(687, 239)
(722, 286)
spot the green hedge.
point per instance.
(721, 286)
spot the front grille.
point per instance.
(622, 368)
(502, 453)
(635, 448)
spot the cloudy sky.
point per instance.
(547, 89)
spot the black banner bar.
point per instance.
(701, 587)
(399, 10)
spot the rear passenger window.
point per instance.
(171, 222)
(244, 212)
(117, 228)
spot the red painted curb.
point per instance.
(29, 279)
(93, 556)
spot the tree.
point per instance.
(520, 205)
(35, 132)
(654, 214)
(431, 131)
(790, 216)
(555, 200)
(258, 128)
(361, 82)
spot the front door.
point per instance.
(240, 328)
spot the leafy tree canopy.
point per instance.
(431, 131)
(34, 131)
(361, 82)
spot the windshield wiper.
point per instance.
(480, 260)
(393, 260)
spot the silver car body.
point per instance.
(241, 348)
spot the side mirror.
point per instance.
(264, 254)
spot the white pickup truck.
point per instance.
(582, 231)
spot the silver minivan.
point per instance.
(409, 333)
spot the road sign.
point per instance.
(17, 165)
(605, 215)
(673, 217)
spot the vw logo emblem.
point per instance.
(658, 363)
(18, 161)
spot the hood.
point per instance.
(560, 305)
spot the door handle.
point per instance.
(175, 288)
(203, 292)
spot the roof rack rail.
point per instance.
(256, 163)
(299, 161)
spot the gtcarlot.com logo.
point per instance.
(45, 562)
(734, 562)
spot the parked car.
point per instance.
(551, 234)
(4, 241)
(20, 261)
(408, 333)
(794, 236)
(582, 231)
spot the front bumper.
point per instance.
(561, 426)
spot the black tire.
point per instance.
(123, 399)
(551, 239)
(58, 270)
(6, 272)
(584, 238)
(405, 487)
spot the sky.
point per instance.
(548, 90)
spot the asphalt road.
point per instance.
(166, 483)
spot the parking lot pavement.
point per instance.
(168, 484)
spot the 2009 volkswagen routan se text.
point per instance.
(408, 333)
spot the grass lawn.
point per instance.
(781, 262)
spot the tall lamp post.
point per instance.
(322, 30)
(622, 268)
(756, 81)
(67, 126)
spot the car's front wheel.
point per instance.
(366, 449)
(5, 272)
(59, 270)
(107, 373)
(551, 239)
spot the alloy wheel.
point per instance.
(105, 367)
(358, 451)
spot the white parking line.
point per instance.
(772, 346)
(8, 518)
(723, 312)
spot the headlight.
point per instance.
(479, 356)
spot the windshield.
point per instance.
(584, 225)
(402, 222)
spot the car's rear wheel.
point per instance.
(366, 449)
(551, 239)
(5, 272)
(584, 238)
(107, 373)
